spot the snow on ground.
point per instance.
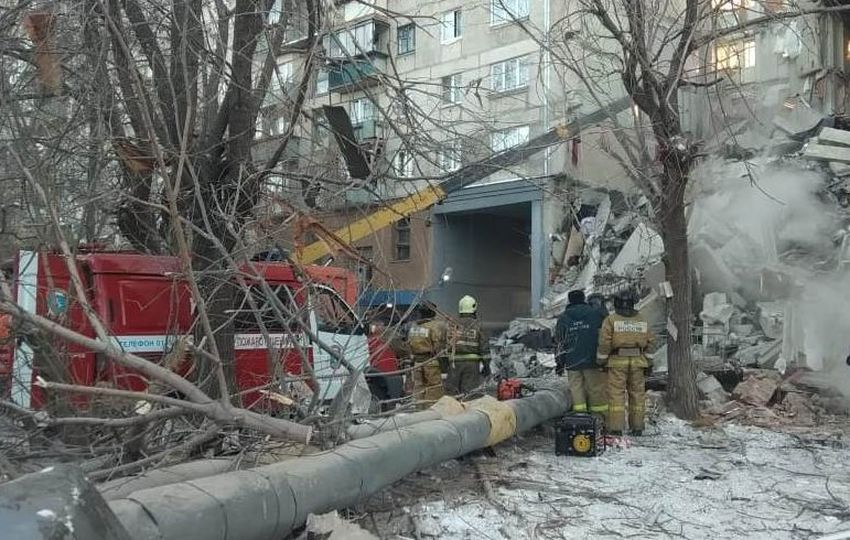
(678, 482)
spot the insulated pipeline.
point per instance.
(267, 503)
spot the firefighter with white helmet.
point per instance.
(467, 348)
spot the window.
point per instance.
(449, 157)
(452, 88)
(404, 165)
(275, 12)
(321, 82)
(321, 134)
(332, 313)
(401, 234)
(353, 41)
(406, 38)
(361, 110)
(280, 126)
(452, 26)
(735, 55)
(282, 78)
(269, 310)
(509, 75)
(502, 11)
(508, 138)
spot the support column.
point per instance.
(539, 255)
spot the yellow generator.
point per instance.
(580, 434)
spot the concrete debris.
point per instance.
(797, 121)
(716, 310)
(837, 137)
(820, 152)
(763, 355)
(644, 246)
(757, 388)
(771, 315)
(711, 390)
(331, 526)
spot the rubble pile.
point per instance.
(770, 254)
(764, 398)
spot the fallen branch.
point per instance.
(198, 401)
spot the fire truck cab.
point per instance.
(145, 306)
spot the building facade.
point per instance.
(430, 87)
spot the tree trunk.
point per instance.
(682, 393)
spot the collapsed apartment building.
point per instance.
(769, 252)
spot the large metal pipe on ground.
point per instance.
(268, 503)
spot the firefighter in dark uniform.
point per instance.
(467, 349)
(576, 339)
(625, 347)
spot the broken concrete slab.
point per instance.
(832, 136)
(716, 309)
(763, 355)
(799, 407)
(798, 121)
(839, 169)
(821, 152)
(757, 388)
(711, 389)
(642, 247)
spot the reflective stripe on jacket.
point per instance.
(625, 341)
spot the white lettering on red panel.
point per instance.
(139, 344)
(245, 342)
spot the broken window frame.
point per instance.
(401, 240)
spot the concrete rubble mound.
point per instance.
(770, 256)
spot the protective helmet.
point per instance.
(467, 306)
(625, 299)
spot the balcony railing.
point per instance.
(346, 77)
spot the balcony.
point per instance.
(345, 77)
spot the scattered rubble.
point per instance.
(754, 483)
(757, 388)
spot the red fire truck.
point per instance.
(144, 305)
